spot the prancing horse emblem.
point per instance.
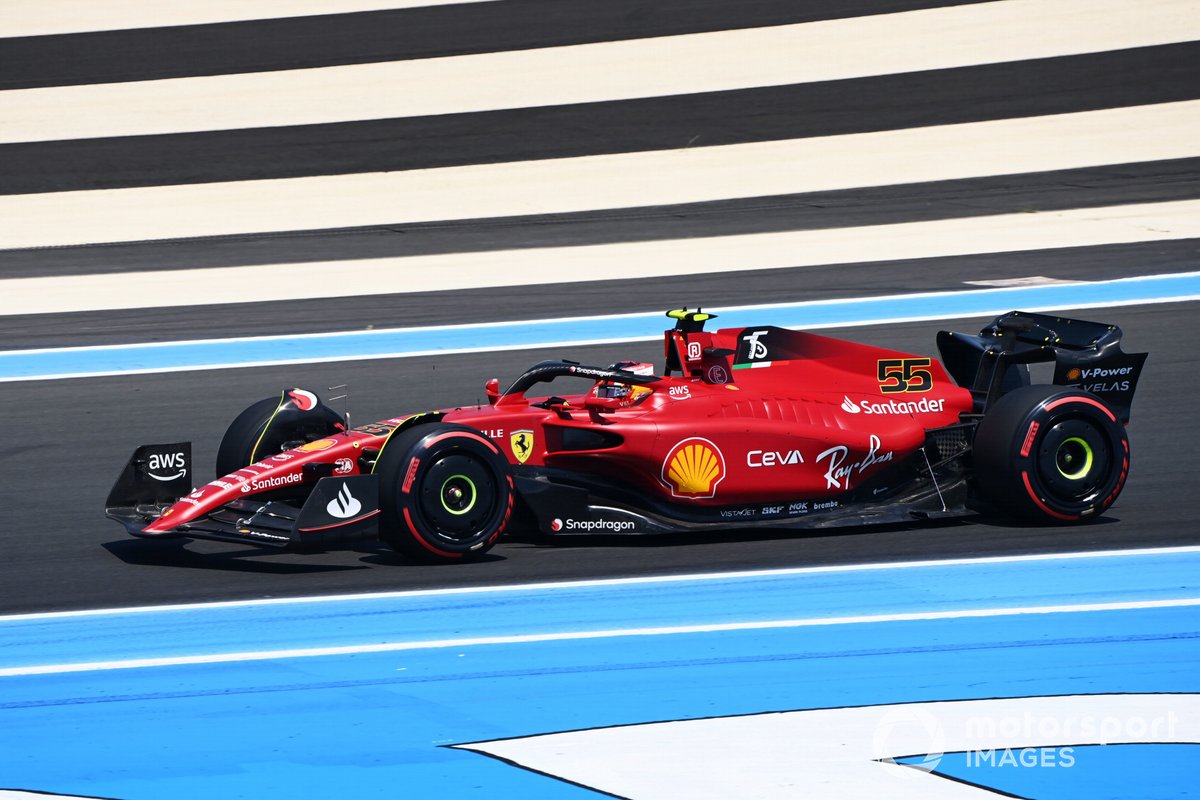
(522, 444)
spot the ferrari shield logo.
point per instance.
(522, 444)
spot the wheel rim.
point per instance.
(1074, 459)
(458, 497)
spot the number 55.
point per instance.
(904, 375)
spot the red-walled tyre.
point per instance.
(1051, 454)
(445, 492)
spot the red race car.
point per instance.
(742, 428)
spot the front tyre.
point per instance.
(273, 425)
(1051, 454)
(445, 492)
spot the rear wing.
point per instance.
(1085, 354)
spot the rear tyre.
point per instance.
(1051, 454)
(445, 493)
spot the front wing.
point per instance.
(144, 494)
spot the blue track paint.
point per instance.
(427, 617)
(377, 724)
(394, 343)
(1095, 772)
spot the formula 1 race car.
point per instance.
(755, 427)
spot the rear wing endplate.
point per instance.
(1087, 355)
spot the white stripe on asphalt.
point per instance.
(628, 260)
(48, 17)
(572, 586)
(939, 38)
(571, 185)
(562, 636)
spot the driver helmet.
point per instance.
(624, 391)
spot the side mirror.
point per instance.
(492, 387)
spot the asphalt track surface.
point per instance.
(66, 440)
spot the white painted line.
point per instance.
(17, 794)
(48, 17)
(1032, 280)
(621, 261)
(570, 586)
(500, 348)
(937, 38)
(564, 636)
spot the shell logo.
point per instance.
(693, 468)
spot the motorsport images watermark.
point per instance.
(1078, 729)
(1026, 741)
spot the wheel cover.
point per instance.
(458, 496)
(1074, 458)
(1074, 461)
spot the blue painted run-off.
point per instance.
(1097, 772)
(425, 616)
(373, 725)
(118, 359)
